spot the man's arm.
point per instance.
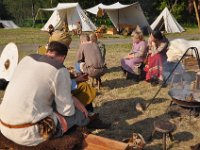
(62, 91)
(80, 106)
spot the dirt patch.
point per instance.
(106, 41)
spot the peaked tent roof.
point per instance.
(167, 19)
(8, 24)
(122, 14)
(70, 12)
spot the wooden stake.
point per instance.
(197, 14)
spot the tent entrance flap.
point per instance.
(161, 26)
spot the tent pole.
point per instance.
(33, 12)
(197, 14)
(118, 20)
(37, 14)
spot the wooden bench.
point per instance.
(76, 141)
(93, 142)
(98, 82)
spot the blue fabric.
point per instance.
(77, 67)
(74, 85)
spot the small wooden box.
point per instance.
(112, 31)
(190, 63)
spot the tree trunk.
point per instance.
(197, 14)
(51, 3)
(33, 12)
(174, 5)
(198, 6)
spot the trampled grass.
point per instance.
(117, 98)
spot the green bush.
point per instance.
(39, 23)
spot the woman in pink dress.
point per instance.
(130, 64)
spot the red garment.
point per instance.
(154, 67)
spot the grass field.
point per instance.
(117, 98)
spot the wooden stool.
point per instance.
(98, 82)
(164, 127)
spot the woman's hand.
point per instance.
(153, 44)
(152, 54)
(129, 56)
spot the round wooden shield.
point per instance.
(8, 61)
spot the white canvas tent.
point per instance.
(70, 13)
(8, 24)
(167, 20)
(122, 14)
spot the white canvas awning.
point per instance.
(167, 20)
(115, 6)
(70, 13)
(8, 24)
(122, 14)
(61, 6)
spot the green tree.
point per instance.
(4, 14)
(23, 12)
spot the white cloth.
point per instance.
(29, 97)
(81, 66)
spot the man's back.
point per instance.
(29, 96)
(92, 56)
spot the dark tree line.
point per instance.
(22, 11)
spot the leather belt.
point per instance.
(25, 125)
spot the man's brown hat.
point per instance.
(61, 36)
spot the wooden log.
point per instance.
(93, 142)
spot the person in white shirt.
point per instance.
(38, 103)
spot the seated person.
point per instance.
(83, 92)
(80, 88)
(78, 29)
(89, 59)
(51, 29)
(38, 104)
(157, 48)
(131, 63)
